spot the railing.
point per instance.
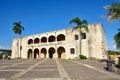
(48, 43)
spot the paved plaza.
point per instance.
(54, 69)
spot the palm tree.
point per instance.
(113, 12)
(117, 39)
(80, 24)
(18, 28)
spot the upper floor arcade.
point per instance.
(46, 39)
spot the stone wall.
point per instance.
(62, 44)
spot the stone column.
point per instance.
(55, 55)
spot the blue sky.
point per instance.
(39, 16)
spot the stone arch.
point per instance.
(30, 41)
(36, 53)
(43, 39)
(51, 39)
(36, 40)
(43, 53)
(61, 52)
(29, 54)
(51, 52)
(61, 37)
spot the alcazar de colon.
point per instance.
(64, 44)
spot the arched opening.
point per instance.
(51, 39)
(51, 52)
(60, 37)
(36, 53)
(43, 39)
(36, 40)
(30, 41)
(61, 52)
(29, 53)
(43, 53)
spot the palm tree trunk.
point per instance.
(20, 47)
(80, 43)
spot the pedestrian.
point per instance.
(107, 65)
(8, 57)
(3, 56)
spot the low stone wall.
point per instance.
(115, 57)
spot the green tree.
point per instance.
(110, 52)
(18, 28)
(80, 24)
(112, 15)
(117, 39)
(113, 12)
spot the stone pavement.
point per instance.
(54, 69)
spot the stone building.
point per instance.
(63, 44)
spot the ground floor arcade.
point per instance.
(47, 53)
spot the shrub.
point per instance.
(4, 53)
(119, 61)
(82, 57)
(1, 55)
(118, 65)
(113, 52)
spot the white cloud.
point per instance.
(111, 46)
(114, 46)
(3, 47)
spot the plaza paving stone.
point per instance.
(5, 64)
(41, 74)
(76, 71)
(96, 63)
(54, 69)
(17, 67)
(7, 74)
(46, 67)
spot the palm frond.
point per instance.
(117, 39)
(76, 20)
(19, 22)
(113, 12)
(84, 23)
(18, 28)
(118, 29)
(80, 23)
(22, 28)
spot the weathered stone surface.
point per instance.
(62, 44)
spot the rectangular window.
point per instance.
(83, 35)
(76, 37)
(72, 51)
(17, 44)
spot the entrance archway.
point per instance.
(29, 53)
(51, 52)
(36, 53)
(43, 53)
(61, 52)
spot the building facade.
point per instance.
(64, 44)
